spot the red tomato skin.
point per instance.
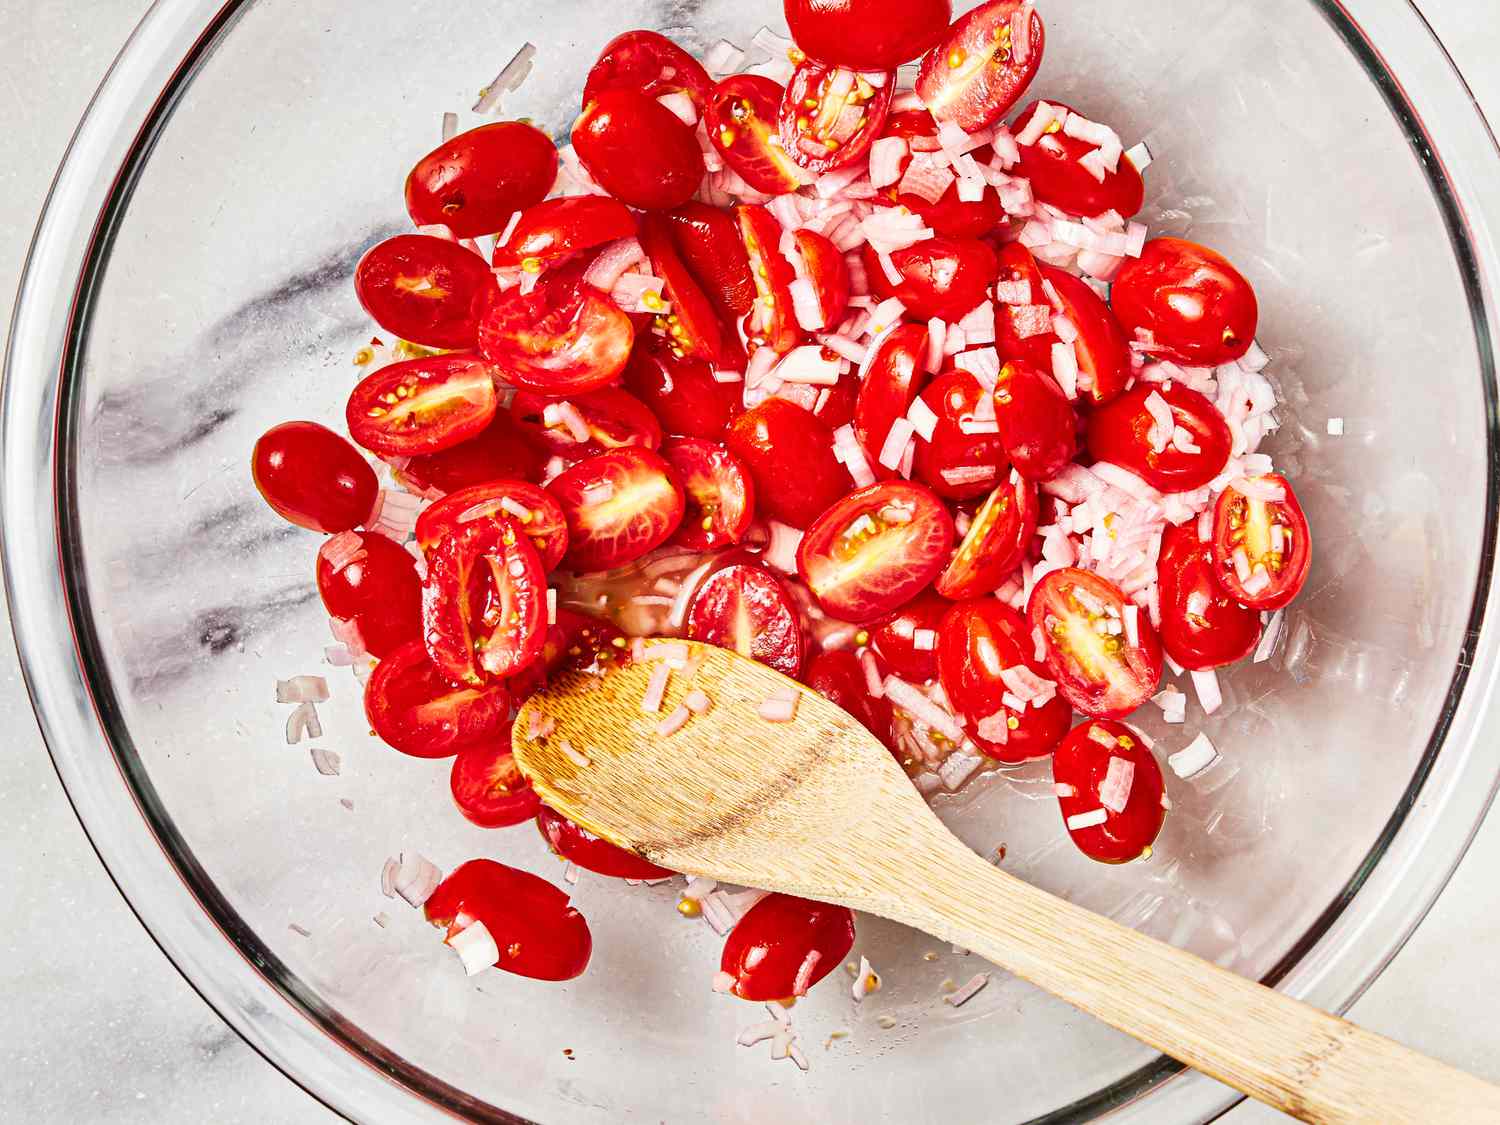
(423, 289)
(546, 529)
(1083, 763)
(768, 947)
(942, 277)
(401, 705)
(772, 320)
(789, 454)
(838, 677)
(970, 631)
(575, 641)
(852, 33)
(796, 118)
(1120, 433)
(693, 324)
(890, 386)
(681, 391)
(379, 592)
(313, 478)
(562, 338)
(1201, 626)
(1137, 667)
(1102, 347)
(489, 788)
(751, 591)
(829, 274)
(741, 120)
(638, 150)
(1016, 264)
(474, 182)
(708, 239)
(838, 408)
(996, 543)
(639, 60)
(1197, 308)
(952, 396)
(615, 419)
(500, 451)
(459, 387)
(894, 638)
(717, 490)
(555, 228)
(539, 934)
(975, 93)
(1057, 178)
(1037, 423)
(578, 845)
(1229, 517)
(657, 516)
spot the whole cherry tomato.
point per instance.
(563, 336)
(1057, 176)
(375, 588)
(612, 418)
(772, 321)
(1103, 766)
(996, 543)
(422, 405)
(742, 124)
(489, 788)
(1262, 544)
(578, 845)
(746, 609)
(575, 642)
(708, 239)
(1036, 422)
(1201, 625)
(499, 451)
(941, 277)
(831, 115)
(680, 390)
(1187, 301)
(949, 217)
(537, 513)
(618, 505)
(891, 384)
(865, 35)
(958, 464)
(785, 945)
(413, 709)
(839, 677)
(556, 228)
(651, 63)
(1178, 459)
(790, 457)
(638, 150)
(693, 324)
(1101, 348)
(313, 478)
(1101, 649)
(426, 290)
(718, 494)
(980, 69)
(538, 934)
(474, 182)
(907, 640)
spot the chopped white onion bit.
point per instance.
(656, 689)
(1193, 758)
(1269, 635)
(415, 878)
(508, 80)
(1090, 819)
(1206, 684)
(781, 707)
(303, 721)
(866, 981)
(1114, 793)
(571, 754)
(1335, 427)
(302, 689)
(476, 947)
(971, 989)
(326, 762)
(913, 700)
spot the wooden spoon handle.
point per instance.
(1277, 1050)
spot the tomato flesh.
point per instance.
(891, 385)
(772, 321)
(789, 454)
(578, 845)
(611, 419)
(839, 677)
(638, 150)
(618, 505)
(534, 510)
(575, 642)
(1201, 626)
(907, 640)
(413, 709)
(784, 945)
(312, 477)
(539, 935)
(996, 543)
(979, 70)
(1091, 656)
(1037, 424)
(1052, 165)
(867, 36)
(1262, 546)
(719, 498)
(1125, 433)
(474, 182)
(422, 405)
(499, 451)
(743, 111)
(489, 788)
(955, 464)
(940, 277)
(376, 591)
(1187, 301)
(426, 290)
(556, 228)
(651, 63)
(746, 609)
(562, 337)
(1081, 770)
(831, 115)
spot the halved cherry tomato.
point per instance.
(489, 788)
(789, 453)
(500, 451)
(681, 391)
(954, 464)
(638, 150)
(719, 497)
(692, 326)
(1262, 544)
(875, 550)
(785, 945)
(1081, 770)
(556, 228)
(423, 289)
(472, 183)
(562, 337)
(890, 386)
(978, 71)
(949, 217)
(907, 640)
(1103, 353)
(1023, 327)
(413, 709)
(832, 114)
(377, 590)
(613, 418)
(422, 405)
(575, 642)
(312, 477)
(1052, 165)
(533, 509)
(1102, 664)
(1126, 433)
(978, 641)
(1037, 423)
(484, 603)
(998, 538)
(836, 408)
(746, 609)
(651, 63)
(825, 267)
(619, 505)
(1187, 301)
(871, 36)
(708, 239)
(838, 676)
(578, 845)
(1201, 625)
(539, 935)
(772, 321)
(941, 277)
(741, 123)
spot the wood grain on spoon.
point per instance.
(817, 807)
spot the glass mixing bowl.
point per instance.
(190, 286)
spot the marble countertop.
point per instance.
(98, 1026)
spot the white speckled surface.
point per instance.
(97, 1026)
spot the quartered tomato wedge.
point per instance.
(941, 277)
(746, 609)
(1177, 458)
(891, 385)
(578, 845)
(681, 391)
(484, 602)
(982, 644)
(984, 64)
(374, 588)
(474, 182)
(499, 451)
(618, 505)
(871, 36)
(824, 267)
(1103, 352)
(719, 497)
(648, 62)
(789, 454)
(875, 550)
(832, 114)
(575, 642)
(489, 788)
(772, 321)
(1187, 301)
(742, 124)
(839, 677)
(538, 934)
(610, 419)
(557, 228)
(1201, 625)
(313, 478)
(693, 325)
(998, 538)
(422, 405)
(949, 217)
(638, 150)
(1037, 423)
(1103, 767)
(562, 337)
(423, 289)
(534, 510)
(785, 945)
(708, 240)
(1023, 315)
(1262, 545)
(907, 640)
(413, 709)
(1101, 649)
(957, 463)
(1052, 165)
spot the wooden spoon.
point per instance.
(817, 807)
